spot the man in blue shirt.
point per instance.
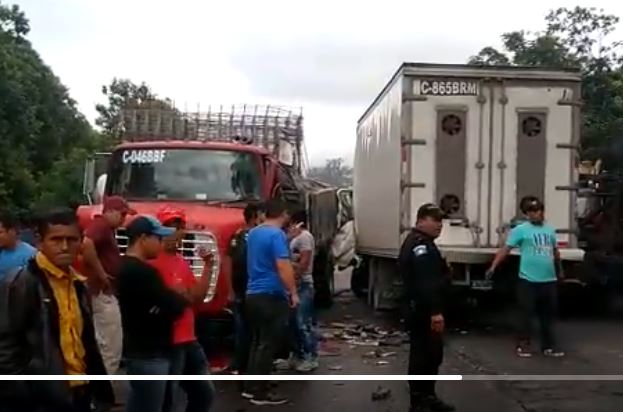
(13, 252)
(271, 289)
(539, 271)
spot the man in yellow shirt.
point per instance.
(46, 325)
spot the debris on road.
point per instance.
(381, 393)
(382, 363)
(336, 368)
(356, 334)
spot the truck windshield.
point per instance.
(185, 174)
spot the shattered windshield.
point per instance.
(185, 174)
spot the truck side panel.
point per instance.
(376, 200)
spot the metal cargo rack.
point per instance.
(259, 125)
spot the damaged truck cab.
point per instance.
(211, 165)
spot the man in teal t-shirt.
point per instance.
(539, 270)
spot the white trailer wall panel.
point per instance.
(376, 180)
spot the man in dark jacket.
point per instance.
(46, 326)
(426, 280)
(239, 277)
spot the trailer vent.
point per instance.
(532, 126)
(451, 125)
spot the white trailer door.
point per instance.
(530, 154)
(447, 146)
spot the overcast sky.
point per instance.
(331, 57)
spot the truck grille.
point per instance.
(192, 241)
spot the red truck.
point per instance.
(212, 164)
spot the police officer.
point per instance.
(239, 278)
(426, 278)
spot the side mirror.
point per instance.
(94, 180)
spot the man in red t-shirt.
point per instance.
(187, 356)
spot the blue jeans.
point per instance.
(307, 341)
(189, 359)
(147, 396)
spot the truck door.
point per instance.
(94, 179)
(531, 138)
(448, 148)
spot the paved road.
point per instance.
(484, 347)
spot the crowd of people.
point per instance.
(72, 304)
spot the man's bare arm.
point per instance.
(93, 262)
(304, 262)
(286, 273)
(500, 256)
(197, 293)
(558, 264)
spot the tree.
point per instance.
(123, 94)
(13, 21)
(39, 122)
(334, 172)
(574, 38)
(120, 94)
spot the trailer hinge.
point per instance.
(479, 165)
(418, 185)
(569, 102)
(567, 188)
(407, 97)
(567, 146)
(414, 142)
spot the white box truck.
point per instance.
(474, 140)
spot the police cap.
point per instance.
(429, 210)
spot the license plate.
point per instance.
(482, 284)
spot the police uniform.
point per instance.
(426, 279)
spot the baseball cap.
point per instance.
(531, 204)
(430, 210)
(169, 213)
(118, 204)
(149, 226)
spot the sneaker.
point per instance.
(270, 399)
(523, 352)
(284, 364)
(553, 353)
(307, 366)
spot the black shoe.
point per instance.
(270, 399)
(437, 405)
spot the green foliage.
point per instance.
(574, 38)
(120, 94)
(334, 172)
(40, 126)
